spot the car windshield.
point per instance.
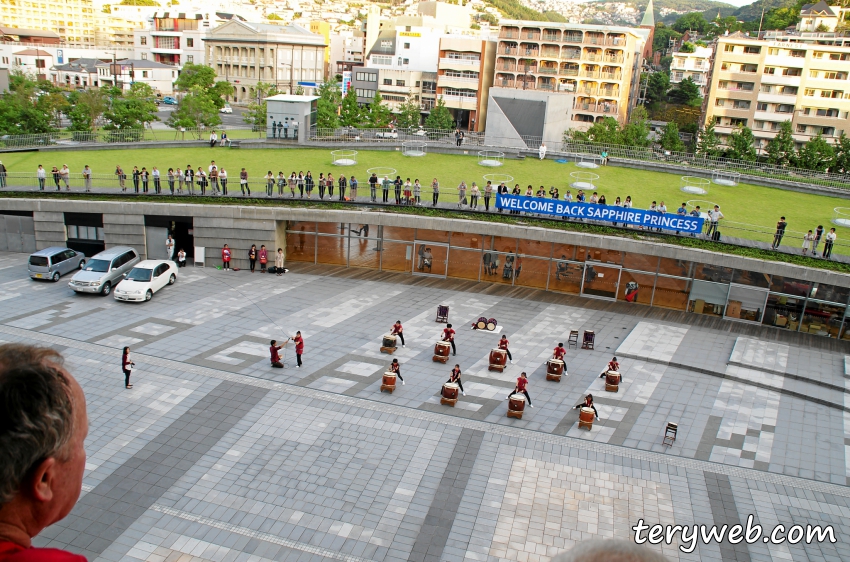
(38, 261)
(139, 274)
(98, 266)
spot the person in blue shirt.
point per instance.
(681, 211)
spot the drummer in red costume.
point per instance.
(503, 344)
(449, 336)
(398, 331)
(613, 365)
(559, 352)
(455, 377)
(521, 386)
(299, 346)
(588, 403)
(395, 367)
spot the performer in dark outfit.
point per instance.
(588, 403)
(398, 331)
(521, 385)
(396, 368)
(449, 336)
(455, 378)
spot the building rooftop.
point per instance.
(34, 53)
(291, 98)
(648, 16)
(23, 32)
(138, 63)
(818, 9)
(79, 65)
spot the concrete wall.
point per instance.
(502, 132)
(241, 226)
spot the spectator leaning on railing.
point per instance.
(43, 426)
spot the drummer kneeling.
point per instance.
(613, 365)
(588, 403)
(521, 385)
(455, 378)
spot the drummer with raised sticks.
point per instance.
(613, 365)
(521, 386)
(503, 344)
(449, 336)
(395, 368)
(588, 403)
(398, 330)
(455, 378)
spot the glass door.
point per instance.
(600, 281)
(430, 258)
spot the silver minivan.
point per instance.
(104, 270)
(51, 263)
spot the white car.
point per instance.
(226, 109)
(145, 279)
(388, 134)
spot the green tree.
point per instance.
(299, 90)
(708, 144)
(379, 113)
(133, 110)
(350, 114)
(204, 77)
(606, 131)
(687, 47)
(54, 104)
(662, 36)
(409, 114)
(817, 154)
(780, 149)
(741, 145)
(440, 117)
(659, 83)
(841, 162)
(196, 109)
(693, 21)
(687, 93)
(670, 138)
(255, 113)
(19, 110)
(636, 132)
(327, 106)
(87, 107)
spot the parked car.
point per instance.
(145, 279)
(104, 270)
(226, 109)
(168, 100)
(51, 263)
(387, 134)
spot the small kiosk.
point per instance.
(290, 117)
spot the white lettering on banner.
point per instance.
(619, 215)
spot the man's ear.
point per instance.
(43, 480)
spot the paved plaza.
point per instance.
(213, 455)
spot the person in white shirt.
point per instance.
(542, 151)
(66, 176)
(87, 177)
(181, 258)
(213, 139)
(714, 217)
(169, 247)
(157, 187)
(222, 179)
(827, 246)
(41, 174)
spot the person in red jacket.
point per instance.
(613, 365)
(264, 258)
(503, 344)
(521, 386)
(398, 330)
(299, 346)
(455, 377)
(559, 352)
(449, 336)
(395, 367)
(275, 356)
(43, 459)
(225, 257)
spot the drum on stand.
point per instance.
(491, 324)
(389, 344)
(448, 395)
(441, 351)
(498, 360)
(516, 405)
(388, 382)
(585, 417)
(554, 370)
(612, 381)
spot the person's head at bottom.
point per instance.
(612, 550)
(43, 426)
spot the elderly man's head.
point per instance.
(43, 426)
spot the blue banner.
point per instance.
(606, 213)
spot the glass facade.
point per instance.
(724, 292)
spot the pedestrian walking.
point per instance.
(243, 182)
(827, 245)
(127, 366)
(87, 178)
(41, 174)
(352, 188)
(373, 186)
(222, 180)
(225, 257)
(780, 232)
(807, 241)
(156, 185)
(252, 257)
(435, 190)
(264, 258)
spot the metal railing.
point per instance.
(74, 138)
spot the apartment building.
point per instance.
(245, 53)
(696, 66)
(176, 38)
(600, 65)
(798, 77)
(124, 73)
(111, 30)
(73, 20)
(464, 76)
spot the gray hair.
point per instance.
(597, 550)
(36, 413)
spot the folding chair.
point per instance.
(442, 314)
(573, 341)
(589, 337)
(670, 434)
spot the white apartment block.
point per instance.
(786, 77)
(174, 38)
(73, 20)
(40, 59)
(696, 66)
(124, 73)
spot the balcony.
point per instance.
(772, 116)
(609, 92)
(776, 98)
(592, 57)
(565, 71)
(594, 39)
(505, 50)
(506, 67)
(444, 81)
(589, 74)
(610, 76)
(572, 38)
(613, 59)
(552, 36)
(547, 70)
(459, 102)
(509, 34)
(781, 79)
(448, 63)
(530, 35)
(550, 53)
(503, 83)
(570, 54)
(784, 60)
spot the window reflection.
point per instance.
(715, 273)
(640, 262)
(635, 287)
(822, 319)
(535, 248)
(783, 311)
(531, 272)
(467, 240)
(675, 268)
(789, 286)
(565, 276)
(751, 278)
(831, 293)
(397, 256)
(300, 246)
(671, 292)
(464, 264)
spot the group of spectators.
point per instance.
(811, 240)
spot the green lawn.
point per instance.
(745, 204)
